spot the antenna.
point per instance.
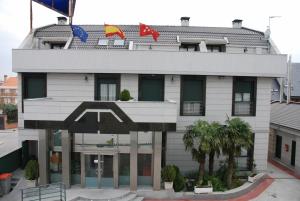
(272, 17)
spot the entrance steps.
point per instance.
(126, 197)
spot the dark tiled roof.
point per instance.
(168, 34)
(286, 115)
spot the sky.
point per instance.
(285, 31)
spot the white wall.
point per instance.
(149, 62)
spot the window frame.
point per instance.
(141, 76)
(97, 88)
(253, 95)
(25, 76)
(198, 77)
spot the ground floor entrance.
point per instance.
(101, 161)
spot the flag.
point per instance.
(111, 30)
(60, 6)
(145, 30)
(80, 33)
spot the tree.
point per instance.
(236, 135)
(11, 111)
(215, 144)
(199, 139)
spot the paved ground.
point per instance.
(284, 188)
(9, 141)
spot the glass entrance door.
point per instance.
(91, 171)
(99, 171)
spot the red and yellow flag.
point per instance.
(111, 30)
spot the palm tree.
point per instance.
(199, 139)
(236, 135)
(215, 144)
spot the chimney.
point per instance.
(237, 23)
(185, 21)
(61, 20)
(5, 78)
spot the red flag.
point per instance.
(145, 30)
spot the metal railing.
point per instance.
(49, 192)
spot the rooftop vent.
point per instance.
(185, 21)
(61, 20)
(237, 23)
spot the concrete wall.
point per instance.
(148, 62)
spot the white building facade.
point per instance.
(69, 92)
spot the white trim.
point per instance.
(98, 111)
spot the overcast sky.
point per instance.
(14, 18)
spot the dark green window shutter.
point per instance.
(35, 86)
(151, 88)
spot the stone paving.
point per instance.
(284, 188)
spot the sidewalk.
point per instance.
(285, 187)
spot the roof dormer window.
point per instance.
(216, 48)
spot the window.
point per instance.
(56, 44)
(192, 95)
(216, 48)
(151, 88)
(107, 87)
(244, 96)
(278, 146)
(189, 47)
(34, 85)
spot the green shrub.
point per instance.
(11, 111)
(125, 95)
(32, 170)
(168, 173)
(217, 183)
(179, 180)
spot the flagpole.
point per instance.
(31, 16)
(70, 11)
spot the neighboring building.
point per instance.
(284, 143)
(295, 85)
(69, 92)
(8, 90)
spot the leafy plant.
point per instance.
(237, 134)
(201, 139)
(125, 95)
(168, 173)
(32, 170)
(11, 111)
(179, 180)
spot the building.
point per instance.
(285, 134)
(8, 90)
(69, 92)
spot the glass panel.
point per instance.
(145, 139)
(144, 169)
(55, 168)
(242, 108)
(106, 164)
(103, 92)
(124, 170)
(75, 168)
(238, 97)
(112, 90)
(57, 138)
(246, 96)
(91, 171)
(191, 108)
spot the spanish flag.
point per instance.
(111, 30)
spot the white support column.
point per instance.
(43, 154)
(133, 160)
(157, 160)
(66, 157)
(116, 170)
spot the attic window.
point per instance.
(189, 47)
(57, 45)
(119, 43)
(216, 48)
(103, 42)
